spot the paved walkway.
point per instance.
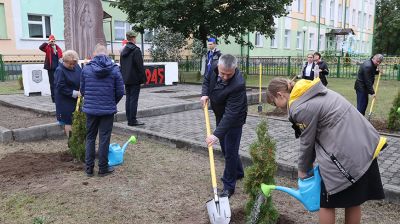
(189, 125)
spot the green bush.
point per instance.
(394, 115)
(263, 170)
(77, 140)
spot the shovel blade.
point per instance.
(219, 212)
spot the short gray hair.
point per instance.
(228, 61)
(100, 49)
(70, 55)
(378, 57)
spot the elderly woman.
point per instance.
(66, 86)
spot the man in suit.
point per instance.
(225, 89)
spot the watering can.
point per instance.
(116, 153)
(308, 193)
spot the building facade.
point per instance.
(346, 26)
(26, 24)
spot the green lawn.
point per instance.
(10, 87)
(388, 89)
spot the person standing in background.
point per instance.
(53, 54)
(213, 55)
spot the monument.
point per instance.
(83, 28)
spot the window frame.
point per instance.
(42, 22)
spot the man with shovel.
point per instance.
(364, 84)
(225, 89)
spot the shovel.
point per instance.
(218, 208)
(373, 100)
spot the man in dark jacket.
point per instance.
(53, 54)
(132, 70)
(323, 68)
(213, 55)
(102, 88)
(225, 89)
(364, 84)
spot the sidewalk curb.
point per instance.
(37, 132)
(284, 169)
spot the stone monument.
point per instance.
(83, 28)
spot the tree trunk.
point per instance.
(203, 32)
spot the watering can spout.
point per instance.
(116, 153)
(131, 140)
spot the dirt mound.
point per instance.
(21, 165)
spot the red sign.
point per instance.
(155, 74)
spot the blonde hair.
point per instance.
(70, 55)
(278, 85)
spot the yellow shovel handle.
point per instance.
(210, 148)
(376, 93)
(77, 103)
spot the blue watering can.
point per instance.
(116, 153)
(308, 193)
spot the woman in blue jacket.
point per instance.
(66, 88)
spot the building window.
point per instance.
(365, 21)
(3, 27)
(274, 40)
(332, 12)
(314, 7)
(369, 24)
(300, 6)
(353, 18)
(121, 28)
(298, 40)
(288, 8)
(287, 39)
(258, 40)
(39, 26)
(347, 13)
(359, 20)
(340, 13)
(322, 8)
(321, 42)
(311, 45)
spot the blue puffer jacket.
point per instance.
(102, 86)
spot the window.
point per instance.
(353, 18)
(359, 19)
(365, 21)
(311, 42)
(148, 35)
(321, 42)
(121, 28)
(340, 13)
(347, 13)
(314, 7)
(300, 6)
(322, 8)
(369, 24)
(332, 12)
(288, 8)
(274, 40)
(287, 39)
(39, 26)
(259, 40)
(298, 40)
(3, 27)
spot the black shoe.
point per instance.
(89, 172)
(136, 123)
(109, 171)
(226, 193)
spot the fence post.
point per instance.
(2, 71)
(288, 69)
(338, 68)
(187, 63)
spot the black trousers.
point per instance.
(102, 125)
(51, 82)
(131, 103)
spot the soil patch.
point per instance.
(12, 118)
(18, 166)
(156, 184)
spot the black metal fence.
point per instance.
(340, 67)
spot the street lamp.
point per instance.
(304, 38)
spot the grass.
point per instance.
(387, 91)
(10, 87)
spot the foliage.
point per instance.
(203, 18)
(394, 115)
(77, 140)
(167, 46)
(197, 48)
(263, 170)
(387, 27)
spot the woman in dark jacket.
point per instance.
(67, 81)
